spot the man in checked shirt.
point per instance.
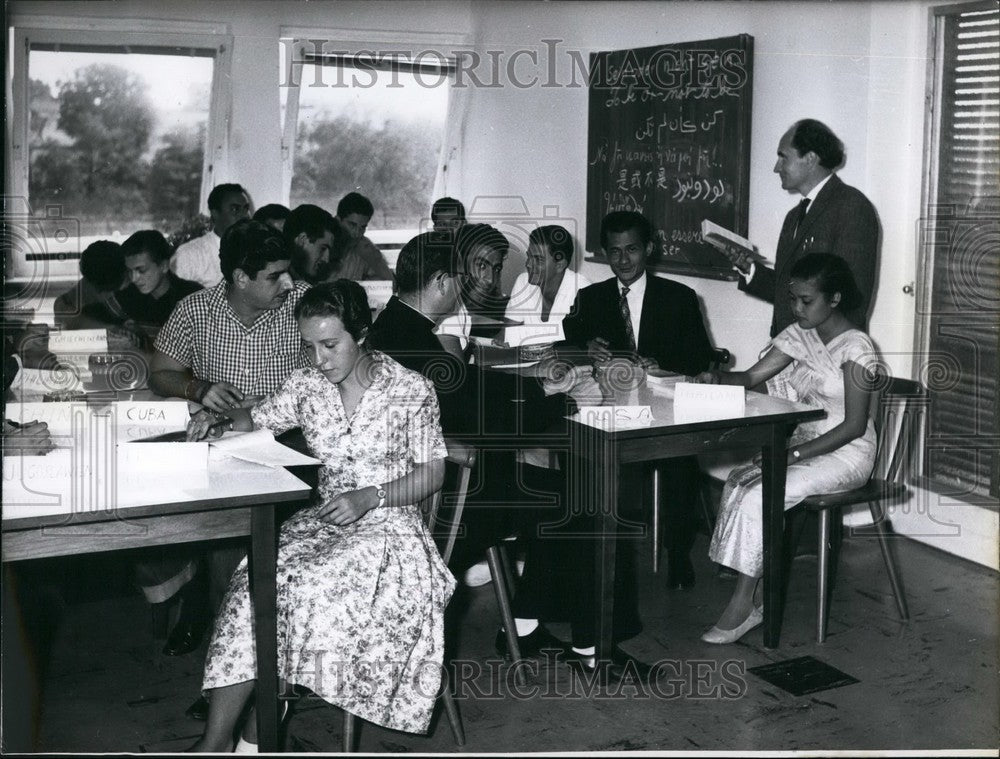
(223, 347)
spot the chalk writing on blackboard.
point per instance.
(669, 137)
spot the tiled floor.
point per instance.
(928, 684)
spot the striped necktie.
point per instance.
(627, 316)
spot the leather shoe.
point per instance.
(680, 573)
(717, 636)
(185, 637)
(621, 665)
(198, 710)
(531, 644)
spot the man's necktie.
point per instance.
(803, 208)
(627, 316)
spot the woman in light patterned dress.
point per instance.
(361, 587)
(832, 366)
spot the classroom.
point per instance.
(304, 104)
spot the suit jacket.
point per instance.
(671, 328)
(473, 403)
(842, 221)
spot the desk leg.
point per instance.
(606, 522)
(263, 593)
(774, 464)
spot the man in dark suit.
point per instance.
(832, 217)
(656, 323)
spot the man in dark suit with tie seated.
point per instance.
(832, 217)
(657, 323)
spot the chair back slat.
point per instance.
(463, 457)
(898, 401)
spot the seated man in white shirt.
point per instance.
(545, 293)
(198, 259)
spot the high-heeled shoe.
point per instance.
(717, 636)
(243, 746)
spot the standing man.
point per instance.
(544, 294)
(832, 217)
(357, 257)
(657, 323)
(309, 233)
(198, 259)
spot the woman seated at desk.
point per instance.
(361, 586)
(831, 366)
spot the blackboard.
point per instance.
(669, 136)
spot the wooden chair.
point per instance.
(720, 358)
(897, 406)
(463, 457)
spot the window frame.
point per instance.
(298, 47)
(113, 34)
(928, 229)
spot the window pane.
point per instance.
(374, 132)
(117, 139)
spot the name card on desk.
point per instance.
(35, 383)
(79, 341)
(58, 416)
(616, 417)
(136, 419)
(696, 403)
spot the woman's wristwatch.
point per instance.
(380, 493)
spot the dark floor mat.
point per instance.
(803, 675)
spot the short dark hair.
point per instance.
(147, 241)
(102, 264)
(355, 202)
(250, 246)
(344, 298)
(220, 191)
(422, 258)
(816, 136)
(312, 220)
(617, 222)
(558, 240)
(271, 211)
(832, 275)
(472, 236)
(447, 204)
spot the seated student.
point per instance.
(272, 214)
(478, 407)
(198, 259)
(657, 323)
(447, 213)
(483, 249)
(146, 304)
(357, 257)
(222, 347)
(361, 586)
(309, 233)
(102, 270)
(544, 294)
(832, 367)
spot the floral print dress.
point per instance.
(815, 378)
(360, 607)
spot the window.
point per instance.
(111, 134)
(368, 122)
(960, 239)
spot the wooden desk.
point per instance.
(599, 454)
(231, 499)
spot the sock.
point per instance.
(525, 626)
(245, 747)
(585, 651)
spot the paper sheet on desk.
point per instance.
(259, 447)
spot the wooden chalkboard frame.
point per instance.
(666, 89)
